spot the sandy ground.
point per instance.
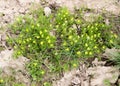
(9, 9)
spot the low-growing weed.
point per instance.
(56, 43)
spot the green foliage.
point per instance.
(56, 43)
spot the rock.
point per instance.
(101, 74)
(47, 11)
(110, 53)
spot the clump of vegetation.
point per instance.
(56, 43)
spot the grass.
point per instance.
(57, 43)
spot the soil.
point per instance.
(10, 9)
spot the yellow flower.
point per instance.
(27, 40)
(71, 43)
(41, 42)
(67, 49)
(86, 44)
(98, 34)
(78, 21)
(103, 47)
(86, 53)
(70, 37)
(47, 37)
(35, 64)
(72, 19)
(27, 30)
(56, 53)
(66, 13)
(34, 41)
(76, 41)
(57, 26)
(115, 36)
(111, 41)
(78, 53)
(45, 30)
(51, 45)
(42, 35)
(38, 25)
(37, 37)
(88, 48)
(90, 53)
(50, 25)
(42, 72)
(30, 39)
(95, 47)
(32, 26)
(1, 81)
(40, 32)
(64, 44)
(62, 35)
(95, 35)
(49, 41)
(74, 65)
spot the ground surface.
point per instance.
(9, 9)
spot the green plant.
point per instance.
(56, 43)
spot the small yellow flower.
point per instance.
(103, 47)
(74, 65)
(24, 42)
(64, 44)
(30, 39)
(98, 34)
(47, 37)
(40, 32)
(41, 42)
(66, 13)
(51, 45)
(76, 41)
(19, 53)
(71, 43)
(50, 25)
(1, 80)
(88, 48)
(37, 37)
(42, 35)
(42, 72)
(32, 26)
(91, 37)
(56, 53)
(95, 47)
(28, 45)
(62, 35)
(86, 53)
(115, 36)
(57, 26)
(78, 21)
(95, 35)
(27, 30)
(111, 41)
(35, 64)
(72, 19)
(27, 40)
(34, 41)
(67, 49)
(49, 41)
(15, 47)
(70, 37)
(86, 44)
(78, 53)
(45, 30)
(38, 25)
(90, 53)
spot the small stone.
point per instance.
(47, 11)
